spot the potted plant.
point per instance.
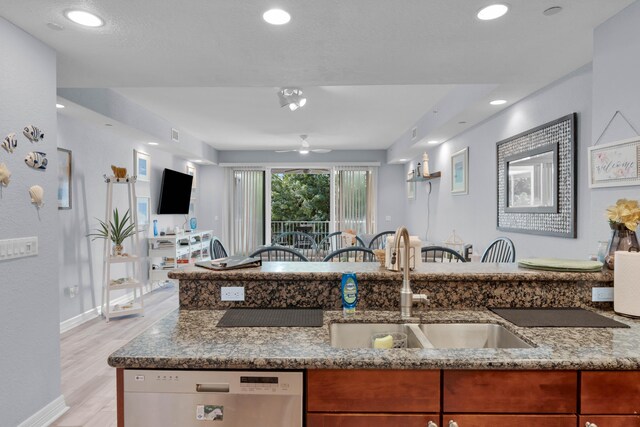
(118, 230)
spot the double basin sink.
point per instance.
(428, 335)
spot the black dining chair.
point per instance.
(379, 241)
(337, 240)
(440, 254)
(216, 248)
(351, 254)
(298, 240)
(500, 250)
(278, 253)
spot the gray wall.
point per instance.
(95, 148)
(473, 216)
(616, 86)
(29, 342)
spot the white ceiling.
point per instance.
(213, 67)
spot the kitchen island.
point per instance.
(566, 377)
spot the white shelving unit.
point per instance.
(173, 251)
(136, 306)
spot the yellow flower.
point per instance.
(625, 212)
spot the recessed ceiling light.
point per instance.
(498, 102)
(303, 151)
(84, 18)
(432, 142)
(493, 11)
(198, 161)
(552, 10)
(59, 106)
(403, 160)
(276, 16)
(152, 143)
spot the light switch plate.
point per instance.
(232, 293)
(601, 294)
(18, 248)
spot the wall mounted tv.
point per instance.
(175, 193)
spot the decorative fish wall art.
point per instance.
(32, 133)
(10, 142)
(37, 195)
(5, 175)
(36, 160)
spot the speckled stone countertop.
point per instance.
(469, 271)
(189, 339)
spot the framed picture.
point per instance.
(141, 165)
(411, 185)
(191, 170)
(144, 212)
(65, 172)
(460, 172)
(615, 164)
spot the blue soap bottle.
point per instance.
(349, 291)
(155, 227)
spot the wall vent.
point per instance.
(414, 133)
(175, 135)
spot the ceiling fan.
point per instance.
(305, 148)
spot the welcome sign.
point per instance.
(615, 164)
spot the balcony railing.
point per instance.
(318, 229)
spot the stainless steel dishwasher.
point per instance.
(212, 398)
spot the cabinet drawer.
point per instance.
(538, 392)
(371, 420)
(610, 392)
(373, 391)
(609, 420)
(510, 420)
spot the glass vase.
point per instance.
(622, 239)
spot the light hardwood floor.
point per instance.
(88, 382)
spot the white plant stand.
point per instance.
(136, 306)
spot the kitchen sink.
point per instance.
(471, 335)
(358, 335)
(429, 335)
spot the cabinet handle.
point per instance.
(588, 424)
(453, 423)
(432, 424)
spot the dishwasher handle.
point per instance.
(213, 388)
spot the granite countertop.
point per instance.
(189, 339)
(470, 271)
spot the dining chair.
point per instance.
(278, 253)
(440, 254)
(337, 240)
(379, 241)
(351, 254)
(217, 250)
(298, 240)
(500, 250)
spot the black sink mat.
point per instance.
(271, 317)
(556, 318)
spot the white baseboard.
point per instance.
(47, 415)
(78, 320)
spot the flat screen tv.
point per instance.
(175, 193)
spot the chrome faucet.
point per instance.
(407, 298)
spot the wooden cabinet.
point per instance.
(373, 391)
(478, 420)
(505, 392)
(610, 392)
(372, 420)
(609, 421)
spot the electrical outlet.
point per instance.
(232, 293)
(601, 294)
(387, 218)
(72, 291)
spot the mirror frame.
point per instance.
(552, 148)
(559, 135)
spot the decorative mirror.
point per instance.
(536, 180)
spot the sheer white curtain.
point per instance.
(245, 209)
(355, 198)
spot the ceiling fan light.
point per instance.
(303, 151)
(293, 106)
(302, 102)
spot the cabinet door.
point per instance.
(470, 420)
(370, 390)
(614, 392)
(372, 420)
(510, 392)
(609, 421)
